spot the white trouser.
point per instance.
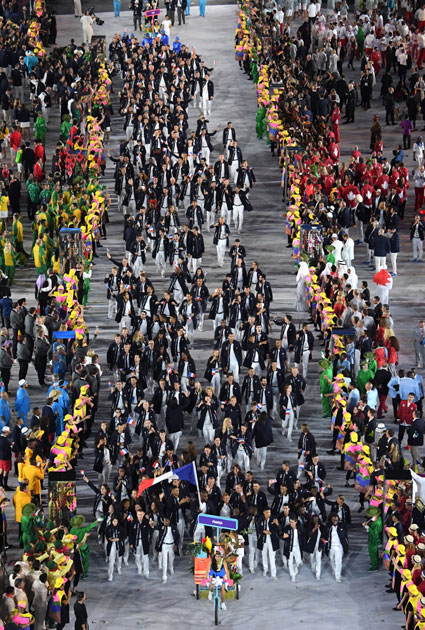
(335, 557)
(294, 562)
(210, 215)
(199, 533)
(154, 539)
(208, 432)
(196, 99)
(106, 473)
(206, 155)
(221, 469)
(233, 166)
(125, 323)
(393, 257)
(419, 353)
(316, 563)
(221, 251)
(215, 383)
(360, 231)
(261, 457)
(160, 262)
(206, 105)
(242, 460)
(126, 551)
(269, 555)
(257, 368)
(113, 556)
(238, 217)
(288, 423)
(234, 368)
(181, 527)
(167, 560)
(225, 212)
(252, 552)
(305, 359)
(195, 263)
(380, 262)
(217, 319)
(77, 8)
(87, 35)
(137, 266)
(142, 559)
(112, 308)
(418, 246)
(175, 438)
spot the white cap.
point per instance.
(22, 382)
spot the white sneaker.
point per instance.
(293, 578)
(139, 572)
(210, 596)
(223, 606)
(119, 571)
(251, 571)
(338, 580)
(264, 573)
(109, 579)
(164, 580)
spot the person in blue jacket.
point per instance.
(22, 401)
(394, 250)
(177, 46)
(4, 409)
(380, 250)
(6, 305)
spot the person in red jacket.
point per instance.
(38, 171)
(14, 144)
(39, 151)
(405, 415)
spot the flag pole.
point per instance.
(197, 482)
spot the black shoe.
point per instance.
(332, 452)
(340, 468)
(8, 489)
(360, 509)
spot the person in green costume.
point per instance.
(326, 386)
(79, 530)
(364, 375)
(373, 527)
(259, 127)
(40, 128)
(28, 531)
(330, 257)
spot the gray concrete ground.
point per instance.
(131, 601)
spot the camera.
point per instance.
(99, 22)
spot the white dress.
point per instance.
(303, 272)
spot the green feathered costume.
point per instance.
(374, 539)
(28, 526)
(326, 386)
(79, 530)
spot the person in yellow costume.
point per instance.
(34, 472)
(4, 208)
(38, 254)
(18, 238)
(21, 498)
(9, 262)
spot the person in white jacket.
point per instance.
(87, 21)
(348, 250)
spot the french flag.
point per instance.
(186, 473)
(192, 375)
